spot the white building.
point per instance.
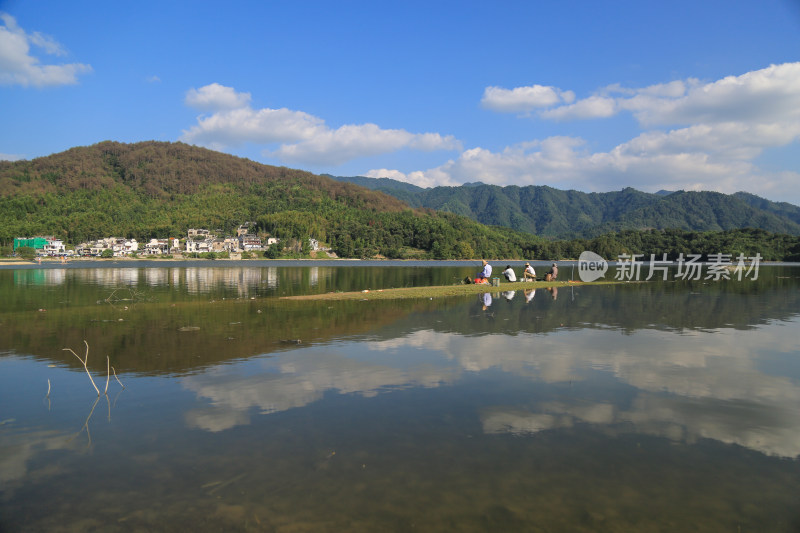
(118, 246)
(198, 247)
(54, 247)
(162, 246)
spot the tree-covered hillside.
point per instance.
(156, 189)
(550, 212)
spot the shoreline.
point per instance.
(139, 262)
(129, 262)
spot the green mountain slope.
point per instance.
(552, 212)
(781, 209)
(156, 189)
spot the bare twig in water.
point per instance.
(115, 377)
(117, 396)
(86, 424)
(48, 388)
(108, 374)
(84, 364)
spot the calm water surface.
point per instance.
(666, 406)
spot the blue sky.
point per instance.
(594, 96)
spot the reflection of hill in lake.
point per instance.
(174, 338)
(628, 307)
(155, 337)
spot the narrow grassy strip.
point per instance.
(439, 291)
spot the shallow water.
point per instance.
(667, 406)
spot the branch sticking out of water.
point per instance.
(108, 374)
(115, 377)
(84, 360)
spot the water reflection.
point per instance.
(296, 379)
(703, 386)
(597, 408)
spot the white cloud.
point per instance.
(386, 173)
(691, 159)
(304, 139)
(770, 95)
(216, 97)
(234, 127)
(524, 98)
(11, 157)
(723, 127)
(334, 147)
(19, 67)
(592, 107)
(430, 178)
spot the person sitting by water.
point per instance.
(486, 273)
(482, 276)
(509, 274)
(552, 275)
(529, 273)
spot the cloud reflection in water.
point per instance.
(685, 387)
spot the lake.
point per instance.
(661, 406)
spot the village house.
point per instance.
(125, 247)
(232, 245)
(54, 247)
(198, 247)
(199, 234)
(228, 244)
(118, 246)
(162, 246)
(250, 242)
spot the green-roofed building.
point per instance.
(37, 243)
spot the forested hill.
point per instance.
(159, 189)
(550, 212)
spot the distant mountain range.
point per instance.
(550, 212)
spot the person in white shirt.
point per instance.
(509, 274)
(529, 273)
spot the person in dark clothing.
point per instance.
(552, 275)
